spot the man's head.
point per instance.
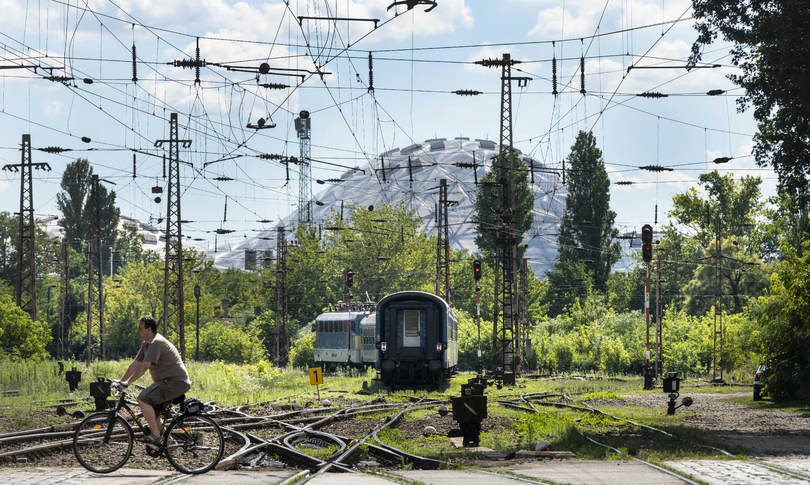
(147, 328)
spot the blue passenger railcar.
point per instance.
(339, 339)
(417, 339)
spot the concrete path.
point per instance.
(723, 472)
(574, 472)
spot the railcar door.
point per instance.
(412, 328)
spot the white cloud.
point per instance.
(53, 108)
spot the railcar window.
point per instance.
(411, 323)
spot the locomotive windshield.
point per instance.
(333, 334)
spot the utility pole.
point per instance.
(646, 255)
(64, 299)
(505, 314)
(717, 347)
(173, 296)
(26, 259)
(303, 128)
(95, 274)
(523, 335)
(443, 243)
(197, 295)
(659, 362)
(281, 339)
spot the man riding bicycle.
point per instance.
(169, 375)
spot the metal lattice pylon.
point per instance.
(95, 275)
(505, 239)
(26, 261)
(303, 127)
(64, 299)
(524, 314)
(282, 339)
(442, 244)
(173, 301)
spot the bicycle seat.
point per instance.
(179, 399)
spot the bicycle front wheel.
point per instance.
(194, 444)
(103, 442)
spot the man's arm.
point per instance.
(135, 371)
(130, 371)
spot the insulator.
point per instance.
(197, 64)
(653, 94)
(54, 149)
(274, 86)
(715, 92)
(582, 75)
(656, 168)
(370, 74)
(59, 79)
(467, 92)
(554, 76)
(134, 65)
(722, 160)
(164, 166)
(133, 165)
(464, 165)
(623, 182)
(270, 156)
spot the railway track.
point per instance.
(249, 446)
(244, 448)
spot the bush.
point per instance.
(230, 343)
(28, 339)
(614, 358)
(302, 353)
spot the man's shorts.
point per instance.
(163, 391)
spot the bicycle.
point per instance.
(192, 442)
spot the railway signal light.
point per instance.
(349, 278)
(477, 270)
(646, 243)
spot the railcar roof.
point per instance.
(417, 295)
(339, 316)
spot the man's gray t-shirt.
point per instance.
(166, 361)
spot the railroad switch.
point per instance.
(469, 410)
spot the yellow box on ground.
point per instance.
(315, 376)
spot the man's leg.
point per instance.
(151, 417)
(153, 395)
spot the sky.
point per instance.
(419, 58)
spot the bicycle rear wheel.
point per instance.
(100, 451)
(194, 444)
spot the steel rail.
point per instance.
(668, 472)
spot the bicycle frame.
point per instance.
(123, 403)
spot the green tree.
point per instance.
(587, 246)
(75, 204)
(70, 201)
(19, 333)
(771, 50)
(129, 245)
(486, 203)
(784, 218)
(742, 276)
(784, 318)
(736, 203)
